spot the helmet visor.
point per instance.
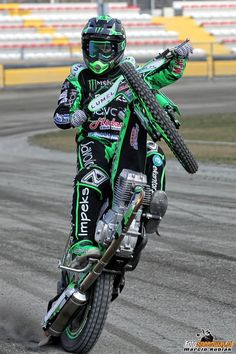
(103, 50)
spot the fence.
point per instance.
(28, 72)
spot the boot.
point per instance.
(157, 210)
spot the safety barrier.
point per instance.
(1, 76)
(17, 75)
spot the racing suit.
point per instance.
(97, 165)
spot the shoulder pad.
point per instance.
(76, 69)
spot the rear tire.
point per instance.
(176, 143)
(82, 334)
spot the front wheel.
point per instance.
(160, 118)
(83, 332)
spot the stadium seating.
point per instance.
(224, 31)
(53, 30)
(216, 17)
(34, 31)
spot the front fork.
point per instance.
(74, 296)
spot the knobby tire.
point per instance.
(176, 143)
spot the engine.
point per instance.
(122, 194)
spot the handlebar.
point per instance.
(169, 53)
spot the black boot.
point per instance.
(157, 210)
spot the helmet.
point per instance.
(103, 43)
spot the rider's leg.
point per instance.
(91, 186)
(131, 154)
(155, 170)
(131, 151)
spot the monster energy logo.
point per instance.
(101, 100)
(95, 84)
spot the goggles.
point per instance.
(104, 50)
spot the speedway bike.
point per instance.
(77, 314)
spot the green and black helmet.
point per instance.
(103, 43)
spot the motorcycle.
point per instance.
(76, 316)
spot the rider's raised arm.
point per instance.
(69, 101)
(170, 74)
(176, 67)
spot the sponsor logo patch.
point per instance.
(62, 118)
(87, 154)
(105, 124)
(84, 207)
(94, 177)
(154, 182)
(134, 137)
(157, 160)
(178, 66)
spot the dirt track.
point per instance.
(186, 278)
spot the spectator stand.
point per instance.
(39, 31)
(43, 39)
(218, 18)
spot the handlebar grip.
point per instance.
(167, 51)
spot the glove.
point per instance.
(183, 50)
(78, 118)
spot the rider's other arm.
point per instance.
(68, 113)
(66, 99)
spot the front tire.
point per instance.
(82, 334)
(176, 142)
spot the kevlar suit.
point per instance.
(98, 165)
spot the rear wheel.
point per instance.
(174, 139)
(83, 332)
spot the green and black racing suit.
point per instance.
(97, 169)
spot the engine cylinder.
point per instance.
(123, 192)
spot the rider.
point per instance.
(103, 46)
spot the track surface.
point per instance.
(186, 278)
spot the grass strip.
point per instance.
(210, 137)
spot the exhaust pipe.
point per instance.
(122, 228)
(69, 302)
(62, 311)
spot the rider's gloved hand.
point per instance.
(78, 118)
(183, 50)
